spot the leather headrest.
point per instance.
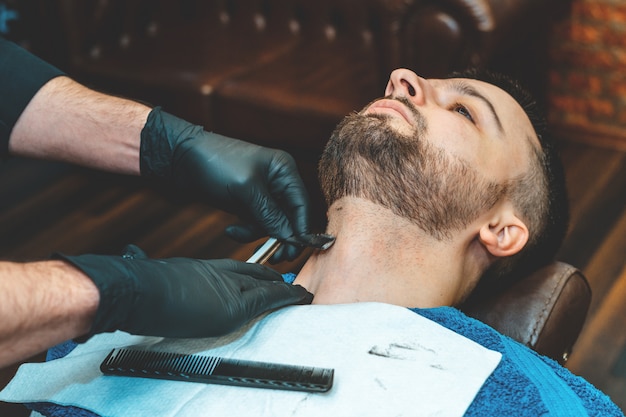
(545, 311)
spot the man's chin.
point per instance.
(401, 127)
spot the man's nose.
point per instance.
(406, 83)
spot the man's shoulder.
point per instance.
(455, 320)
(524, 380)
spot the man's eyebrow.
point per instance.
(464, 88)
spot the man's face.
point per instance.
(438, 152)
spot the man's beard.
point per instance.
(366, 158)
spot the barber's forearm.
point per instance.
(69, 122)
(41, 305)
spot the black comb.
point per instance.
(216, 370)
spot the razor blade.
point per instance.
(316, 241)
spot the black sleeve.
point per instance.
(21, 76)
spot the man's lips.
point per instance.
(390, 106)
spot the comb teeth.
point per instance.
(216, 370)
(144, 362)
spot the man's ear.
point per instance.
(505, 235)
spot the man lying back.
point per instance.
(439, 185)
(432, 187)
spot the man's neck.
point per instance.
(379, 256)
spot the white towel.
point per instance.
(388, 361)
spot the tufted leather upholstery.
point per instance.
(283, 73)
(291, 68)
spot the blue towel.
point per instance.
(524, 383)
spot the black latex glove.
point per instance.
(261, 185)
(181, 297)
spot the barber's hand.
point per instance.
(259, 184)
(181, 297)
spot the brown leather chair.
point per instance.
(545, 311)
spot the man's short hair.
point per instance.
(539, 195)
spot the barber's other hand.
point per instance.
(259, 184)
(181, 297)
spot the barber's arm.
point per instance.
(50, 116)
(42, 304)
(67, 121)
(45, 303)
